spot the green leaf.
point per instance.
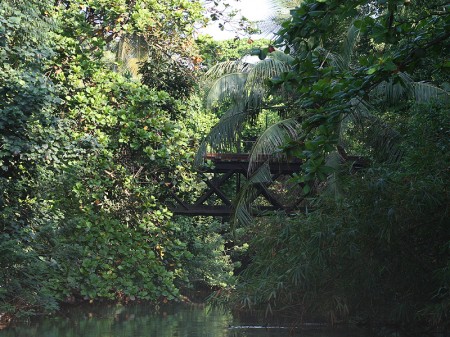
(306, 188)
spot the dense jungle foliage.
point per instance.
(101, 115)
(362, 97)
(87, 156)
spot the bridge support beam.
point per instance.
(215, 202)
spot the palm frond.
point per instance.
(384, 140)
(271, 140)
(331, 58)
(245, 92)
(223, 136)
(282, 57)
(266, 69)
(256, 84)
(248, 193)
(381, 137)
(349, 45)
(425, 92)
(390, 92)
(341, 61)
(199, 159)
(224, 68)
(227, 87)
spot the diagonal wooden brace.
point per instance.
(214, 187)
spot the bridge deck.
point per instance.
(226, 165)
(224, 162)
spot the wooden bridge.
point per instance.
(224, 179)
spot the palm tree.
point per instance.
(240, 89)
(244, 92)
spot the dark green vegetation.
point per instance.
(90, 148)
(365, 106)
(87, 156)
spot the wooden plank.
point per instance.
(240, 164)
(218, 183)
(181, 202)
(217, 210)
(192, 210)
(219, 193)
(269, 196)
(227, 156)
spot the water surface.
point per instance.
(144, 320)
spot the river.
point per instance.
(144, 320)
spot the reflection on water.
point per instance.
(143, 320)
